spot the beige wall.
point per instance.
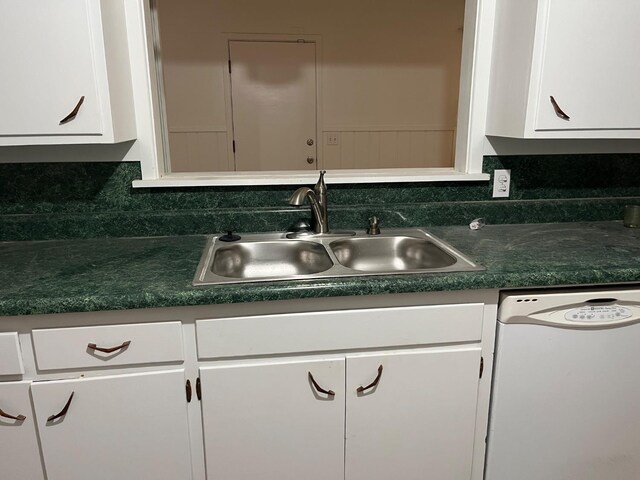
(387, 66)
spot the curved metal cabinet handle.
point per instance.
(93, 346)
(331, 393)
(73, 113)
(372, 384)
(187, 388)
(64, 410)
(558, 110)
(20, 418)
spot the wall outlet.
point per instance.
(333, 139)
(501, 183)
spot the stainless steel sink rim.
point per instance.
(205, 275)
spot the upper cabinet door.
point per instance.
(565, 69)
(414, 417)
(115, 427)
(268, 421)
(66, 74)
(590, 65)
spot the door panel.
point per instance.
(273, 91)
(591, 65)
(570, 395)
(266, 421)
(117, 427)
(419, 421)
(47, 69)
(18, 440)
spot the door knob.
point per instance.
(310, 160)
(310, 142)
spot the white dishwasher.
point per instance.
(565, 403)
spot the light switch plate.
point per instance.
(333, 138)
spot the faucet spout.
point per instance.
(298, 197)
(321, 222)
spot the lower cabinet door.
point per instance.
(128, 427)
(269, 421)
(18, 440)
(416, 420)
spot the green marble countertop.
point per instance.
(126, 273)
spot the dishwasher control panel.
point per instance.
(572, 308)
(598, 313)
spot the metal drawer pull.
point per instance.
(73, 113)
(558, 110)
(20, 418)
(372, 384)
(64, 410)
(331, 393)
(93, 346)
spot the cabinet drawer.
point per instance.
(10, 356)
(61, 348)
(338, 330)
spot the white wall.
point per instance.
(389, 70)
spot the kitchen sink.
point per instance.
(273, 256)
(390, 254)
(270, 259)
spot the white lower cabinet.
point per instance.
(18, 438)
(116, 427)
(267, 421)
(354, 394)
(418, 420)
(406, 415)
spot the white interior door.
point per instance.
(18, 440)
(419, 421)
(273, 93)
(591, 65)
(266, 421)
(116, 427)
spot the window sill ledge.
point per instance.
(335, 177)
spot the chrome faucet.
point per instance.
(318, 200)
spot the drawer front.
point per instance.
(108, 346)
(10, 355)
(342, 330)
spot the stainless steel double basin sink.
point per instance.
(273, 256)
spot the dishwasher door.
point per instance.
(566, 395)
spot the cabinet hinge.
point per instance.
(198, 389)
(188, 390)
(229, 66)
(481, 366)
(234, 146)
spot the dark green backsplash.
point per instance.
(87, 200)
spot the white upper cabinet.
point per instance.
(66, 73)
(565, 69)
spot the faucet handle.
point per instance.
(374, 226)
(320, 187)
